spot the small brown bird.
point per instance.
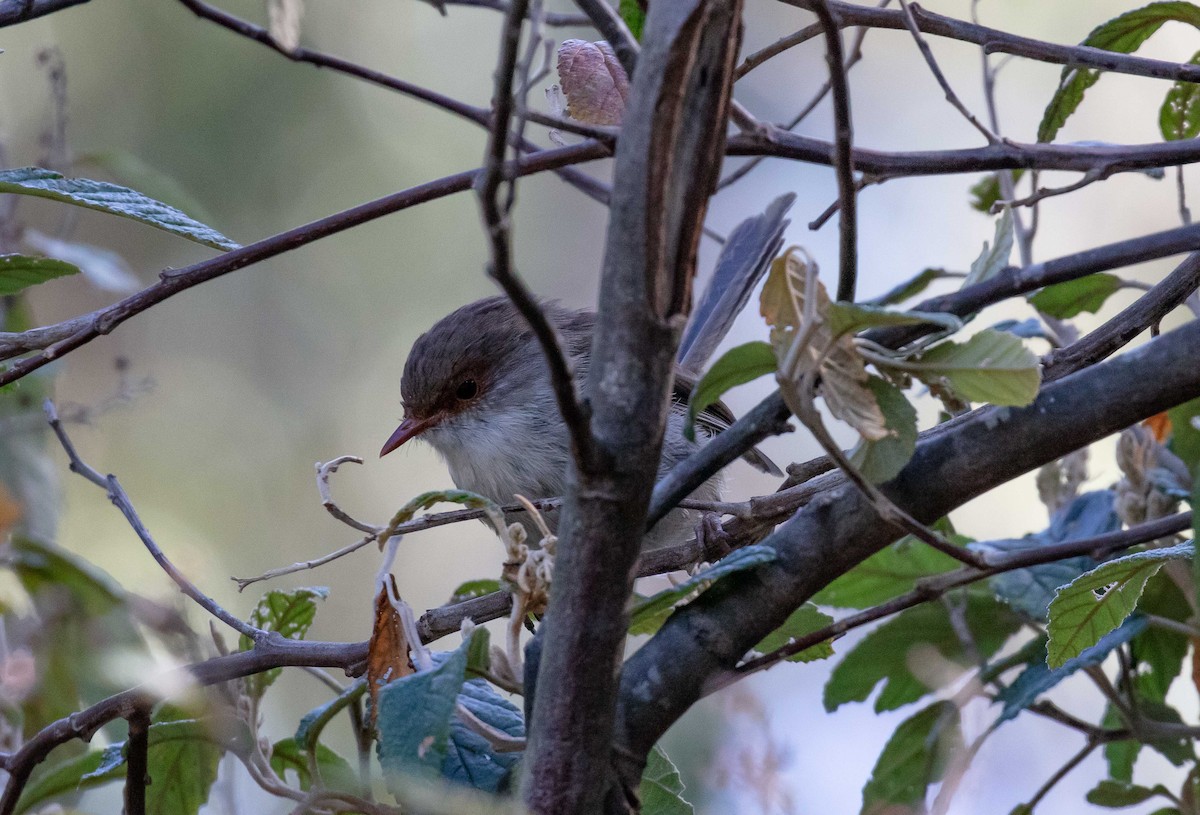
(476, 386)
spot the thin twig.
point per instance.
(1071, 764)
(951, 96)
(117, 494)
(496, 173)
(843, 153)
(323, 472)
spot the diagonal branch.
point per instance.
(701, 643)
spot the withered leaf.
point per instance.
(594, 82)
(387, 652)
(843, 373)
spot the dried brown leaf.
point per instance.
(387, 652)
(594, 82)
(843, 373)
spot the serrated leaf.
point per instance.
(882, 459)
(414, 716)
(593, 81)
(67, 777)
(1122, 34)
(1179, 117)
(737, 366)
(884, 654)
(888, 573)
(1098, 601)
(290, 613)
(333, 771)
(911, 287)
(1038, 677)
(914, 757)
(994, 256)
(110, 198)
(850, 318)
(661, 790)
(991, 366)
(804, 620)
(1118, 794)
(470, 759)
(739, 560)
(1072, 298)
(19, 272)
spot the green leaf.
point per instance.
(886, 574)
(1118, 794)
(1069, 299)
(911, 287)
(850, 318)
(66, 777)
(986, 192)
(661, 790)
(1160, 650)
(1098, 601)
(737, 366)
(22, 271)
(479, 658)
(111, 198)
(881, 460)
(804, 620)
(884, 655)
(914, 757)
(474, 588)
(1179, 117)
(414, 716)
(739, 560)
(1185, 433)
(992, 366)
(1122, 34)
(631, 12)
(290, 613)
(333, 771)
(995, 257)
(183, 761)
(1120, 755)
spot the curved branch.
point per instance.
(68, 335)
(703, 642)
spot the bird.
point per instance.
(477, 388)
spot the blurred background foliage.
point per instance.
(228, 393)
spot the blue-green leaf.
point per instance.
(111, 198)
(739, 560)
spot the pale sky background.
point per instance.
(263, 372)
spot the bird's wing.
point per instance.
(718, 417)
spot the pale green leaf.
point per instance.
(661, 790)
(994, 256)
(110, 198)
(850, 318)
(881, 459)
(992, 366)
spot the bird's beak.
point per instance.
(408, 428)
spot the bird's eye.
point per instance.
(466, 389)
